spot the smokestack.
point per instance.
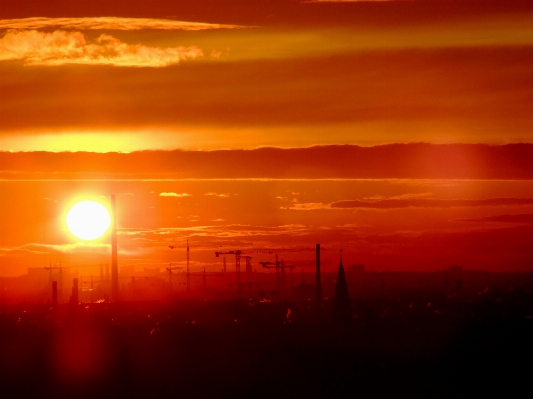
(101, 272)
(114, 267)
(54, 294)
(318, 285)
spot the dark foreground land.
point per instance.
(389, 348)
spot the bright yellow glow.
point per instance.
(88, 220)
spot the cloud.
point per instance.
(413, 202)
(347, 1)
(109, 23)
(526, 218)
(42, 249)
(413, 161)
(224, 195)
(213, 233)
(171, 194)
(61, 48)
(309, 206)
(410, 195)
(355, 97)
(23, 250)
(79, 247)
(430, 203)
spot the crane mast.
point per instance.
(204, 282)
(169, 270)
(188, 270)
(241, 253)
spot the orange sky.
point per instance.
(210, 75)
(400, 207)
(167, 74)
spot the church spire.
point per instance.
(341, 304)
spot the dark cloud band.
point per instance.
(394, 161)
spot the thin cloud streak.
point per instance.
(61, 48)
(309, 206)
(42, 249)
(386, 204)
(110, 23)
(526, 218)
(223, 195)
(221, 231)
(430, 203)
(172, 194)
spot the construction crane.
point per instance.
(204, 275)
(169, 270)
(188, 269)
(280, 266)
(262, 251)
(242, 253)
(238, 256)
(92, 285)
(60, 268)
(194, 246)
(102, 282)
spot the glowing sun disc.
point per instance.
(88, 220)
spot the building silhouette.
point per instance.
(342, 310)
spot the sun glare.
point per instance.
(88, 220)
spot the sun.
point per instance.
(88, 220)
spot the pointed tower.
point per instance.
(342, 310)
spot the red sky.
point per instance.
(339, 91)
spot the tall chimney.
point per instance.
(54, 294)
(318, 285)
(114, 267)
